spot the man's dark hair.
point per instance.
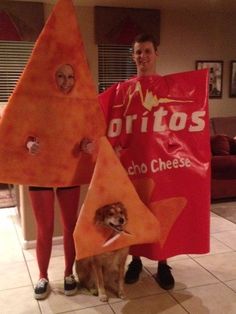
(141, 38)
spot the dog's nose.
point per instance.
(121, 220)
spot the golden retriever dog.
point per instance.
(102, 270)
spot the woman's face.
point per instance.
(65, 78)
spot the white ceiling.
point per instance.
(216, 5)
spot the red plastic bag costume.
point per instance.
(160, 126)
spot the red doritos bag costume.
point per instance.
(59, 115)
(161, 127)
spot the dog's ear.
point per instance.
(100, 214)
(122, 206)
(119, 204)
(125, 212)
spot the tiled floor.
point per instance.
(204, 283)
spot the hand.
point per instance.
(87, 146)
(33, 146)
(118, 150)
(2, 109)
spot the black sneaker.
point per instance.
(41, 289)
(164, 277)
(133, 272)
(70, 285)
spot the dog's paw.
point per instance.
(93, 291)
(103, 298)
(121, 295)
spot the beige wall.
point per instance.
(190, 36)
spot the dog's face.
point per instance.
(113, 216)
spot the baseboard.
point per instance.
(26, 245)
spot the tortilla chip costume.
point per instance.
(161, 125)
(110, 184)
(39, 108)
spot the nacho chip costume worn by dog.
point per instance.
(42, 106)
(110, 183)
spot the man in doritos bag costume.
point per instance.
(159, 127)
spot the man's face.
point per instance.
(65, 78)
(145, 58)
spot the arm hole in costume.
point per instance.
(106, 100)
(30, 141)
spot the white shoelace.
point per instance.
(70, 279)
(41, 282)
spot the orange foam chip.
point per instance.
(167, 211)
(110, 183)
(57, 114)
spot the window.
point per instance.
(13, 58)
(114, 65)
